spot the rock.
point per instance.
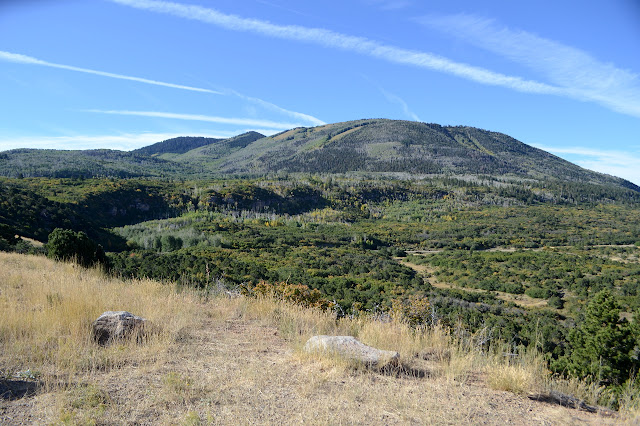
(350, 348)
(112, 326)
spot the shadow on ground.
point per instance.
(405, 371)
(16, 389)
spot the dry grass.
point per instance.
(238, 361)
(47, 310)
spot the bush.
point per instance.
(536, 293)
(64, 244)
(555, 302)
(296, 293)
(415, 310)
(170, 243)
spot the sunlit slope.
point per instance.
(404, 146)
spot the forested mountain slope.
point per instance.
(178, 145)
(366, 146)
(409, 147)
(85, 164)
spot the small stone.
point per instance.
(117, 325)
(350, 348)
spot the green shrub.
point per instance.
(64, 244)
(556, 302)
(536, 292)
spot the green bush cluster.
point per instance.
(67, 245)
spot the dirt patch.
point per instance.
(232, 370)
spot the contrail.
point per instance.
(24, 59)
(346, 42)
(198, 117)
(584, 77)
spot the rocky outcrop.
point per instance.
(350, 348)
(118, 325)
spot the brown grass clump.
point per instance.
(225, 360)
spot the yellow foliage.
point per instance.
(414, 309)
(297, 293)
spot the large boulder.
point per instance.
(350, 348)
(117, 325)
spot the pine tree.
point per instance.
(602, 345)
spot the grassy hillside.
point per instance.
(511, 261)
(218, 359)
(478, 252)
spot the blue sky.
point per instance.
(560, 75)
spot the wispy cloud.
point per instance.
(206, 118)
(389, 4)
(623, 164)
(580, 75)
(332, 39)
(309, 119)
(24, 59)
(398, 100)
(279, 6)
(393, 98)
(123, 142)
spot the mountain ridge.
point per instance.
(367, 145)
(178, 145)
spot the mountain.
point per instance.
(178, 145)
(409, 147)
(192, 155)
(208, 156)
(210, 146)
(375, 145)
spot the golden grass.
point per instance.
(221, 360)
(47, 310)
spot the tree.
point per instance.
(64, 244)
(7, 237)
(170, 243)
(602, 345)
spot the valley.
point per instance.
(453, 227)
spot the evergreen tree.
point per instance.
(602, 345)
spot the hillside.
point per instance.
(218, 359)
(505, 243)
(207, 157)
(366, 146)
(178, 145)
(209, 148)
(406, 147)
(86, 164)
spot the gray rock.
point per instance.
(112, 326)
(350, 348)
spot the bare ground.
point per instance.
(231, 369)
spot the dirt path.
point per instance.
(428, 274)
